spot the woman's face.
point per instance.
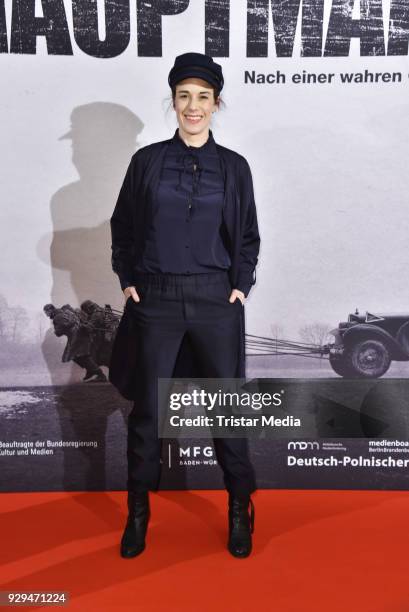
(194, 105)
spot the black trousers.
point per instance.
(172, 306)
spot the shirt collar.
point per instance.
(177, 140)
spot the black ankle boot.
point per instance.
(241, 525)
(133, 538)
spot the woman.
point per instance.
(185, 245)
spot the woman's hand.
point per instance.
(131, 291)
(236, 293)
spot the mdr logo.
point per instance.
(303, 445)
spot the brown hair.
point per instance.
(216, 94)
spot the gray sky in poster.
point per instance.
(329, 166)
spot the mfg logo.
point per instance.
(196, 451)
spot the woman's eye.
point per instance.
(205, 97)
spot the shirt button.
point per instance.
(186, 246)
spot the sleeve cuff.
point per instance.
(125, 282)
(244, 289)
(245, 283)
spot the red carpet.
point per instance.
(313, 551)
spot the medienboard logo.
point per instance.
(302, 446)
(196, 451)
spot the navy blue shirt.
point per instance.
(187, 233)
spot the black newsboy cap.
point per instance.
(196, 65)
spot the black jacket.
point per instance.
(129, 221)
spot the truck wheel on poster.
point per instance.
(368, 358)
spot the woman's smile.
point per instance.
(193, 118)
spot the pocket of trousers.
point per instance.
(130, 299)
(229, 290)
(239, 301)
